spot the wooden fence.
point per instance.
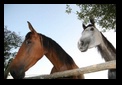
(83, 70)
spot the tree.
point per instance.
(104, 14)
(11, 41)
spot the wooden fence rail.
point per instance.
(83, 70)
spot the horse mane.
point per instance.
(49, 43)
(109, 46)
(62, 55)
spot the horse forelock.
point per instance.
(28, 35)
(89, 25)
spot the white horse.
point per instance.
(92, 37)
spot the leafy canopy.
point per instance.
(104, 14)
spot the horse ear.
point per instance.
(31, 27)
(92, 21)
(84, 27)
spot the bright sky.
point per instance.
(52, 21)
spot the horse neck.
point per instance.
(106, 49)
(54, 59)
(57, 56)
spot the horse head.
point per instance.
(90, 38)
(29, 53)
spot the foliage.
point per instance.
(11, 41)
(104, 14)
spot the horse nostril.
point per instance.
(82, 42)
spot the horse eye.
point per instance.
(92, 29)
(28, 42)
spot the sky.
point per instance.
(52, 21)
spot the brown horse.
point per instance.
(33, 48)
